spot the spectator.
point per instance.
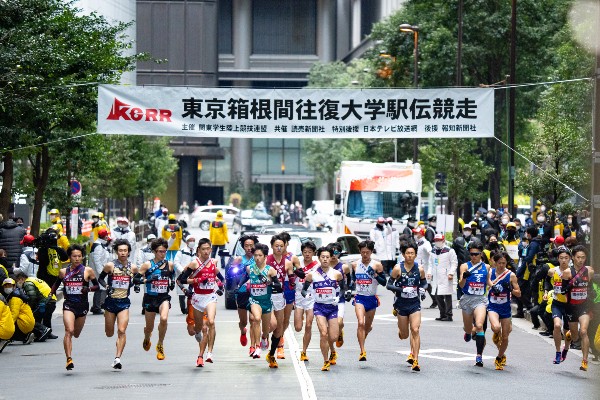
(99, 255)
(423, 255)
(545, 230)
(541, 286)
(442, 267)
(51, 257)
(519, 227)
(490, 222)
(379, 235)
(145, 253)
(172, 232)
(410, 225)
(98, 223)
(122, 231)
(511, 241)
(572, 228)
(21, 312)
(37, 292)
(3, 265)
(161, 221)
(184, 208)
(28, 263)
(7, 326)
(218, 236)
(430, 232)
(528, 220)
(527, 269)
(10, 240)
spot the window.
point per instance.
(225, 27)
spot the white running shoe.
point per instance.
(257, 353)
(209, 357)
(116, 363)
(264, 343)
(198, 337)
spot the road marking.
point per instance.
(306, 385)
(457, 355)
(391, 318)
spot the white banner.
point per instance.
(296, 113)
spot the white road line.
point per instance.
(306, 385)
(452, 355)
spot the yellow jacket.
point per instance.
(21, 314)
(168, 229)
(7, 325)
(218, 232)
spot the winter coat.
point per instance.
(442, 262)
(10, 240)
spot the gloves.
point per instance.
(498, 287)
(262, 278)
(466, 274)
(187, 293)
(370, 271)
(85, 290)
(348, 295)
(136, 288)
(304, 293)
(171, 285)
(109, 291)
(300, 273)
(422, 293)
(219, 291)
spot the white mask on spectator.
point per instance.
(439, 244)
(8, 290)
(467, 234)
(505, 221)
(569, 221)
(541, 218)
(122, 226)
(490, 215)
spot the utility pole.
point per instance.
(595, 206)
(511, 107)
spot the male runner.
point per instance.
(335, 249)
(243, 294)
(305, 304)
(289, 292)
(559, 277)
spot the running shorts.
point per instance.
(265, 305)
(152, 303)
(115, 306)
(329, 311)
(278, 301)
(200, 301)
(79, 309)
(469, 302)
(368, 302)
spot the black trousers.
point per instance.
(444, 302)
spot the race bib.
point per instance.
(208, 285)
(409, 292)
(160, 286)
(323, 294)
(579, 294)
(73, 287)
(120, 282)
(500, 299)
(363, 285)
(258, 289)
(476, 288)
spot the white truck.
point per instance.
(366, 191)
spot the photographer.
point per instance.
(51, 257)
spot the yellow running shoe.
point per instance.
(503, 361)
(363, 356)
(340, 340)
(280, 353)
(333, 358)
(394, 312)
(303, 356)
(326, 366)
(70, 364)
(415, 366)
(272, 361)
(410, 359)
(498, 364)
(146, 345)
(497, 339)
(568, 335)
(160, 352)
(584, 365)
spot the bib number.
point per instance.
(120, 282)
(160, 286)
(476, 288)
(579, 294)
(500, 299)
(74, 287)
(258, 289)
(409, 292)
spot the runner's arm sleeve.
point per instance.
(221, 277)
(300, 273)
(392, 287)
(380, 278)
(182, 278)
(138, 279)
(342, 284)
(276, 284)
(423, 283)
(101, 280)
(95, 286)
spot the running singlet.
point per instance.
(246, 262)
(120, 280)
(578, 293)
(279, 267)
(503, 296)
(308, 268)
(409, 282)
(258, 289)
(340, 267)
(557, 286)
(366, 285)
(325, 288)
(161, 285)
(73, 284)
(477, 281)
(206, 274)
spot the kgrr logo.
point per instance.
(124, 111)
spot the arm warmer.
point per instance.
(390, 286)
(276, 284)
(182, 278)
(306, 285)
(95, 286)
(342, 284)
(380, 278)
(101, 280)
(138, 279)
(423, 283)
(221, 277)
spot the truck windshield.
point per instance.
(398, 205)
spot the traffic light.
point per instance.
(440, 185)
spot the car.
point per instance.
(203, 216)
(254, 219)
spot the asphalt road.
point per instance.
(447, 370)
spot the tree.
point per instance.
(51, 59)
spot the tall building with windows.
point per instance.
(255, 44)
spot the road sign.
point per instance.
(441, 195)
(75, 187)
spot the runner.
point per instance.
(75, 278)
(336, 251)
(473, 280)
(285, 269)
(560, 276)
(305, 304)
(202, 274)
(289, 291)
(409, 284)
(578, 306)
(368, 274)
(327, 283)
(120, 273)
(503, 285)
(243, 294)
(263, 281)
(157, 275)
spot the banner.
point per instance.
(296, 113)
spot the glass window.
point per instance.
(284, 27)
(225, 27)
(398, 205)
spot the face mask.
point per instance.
(433, 224)
(19, 284)
(411, 225)
(95, 219)
(490, 215)
(467, 234)
(19, 223)
(191, 245)
(439, 245)
(493, 245)
(8, 290)
(543, 208)
(123, 226)
(541, 219)
(569, 221)
(518, 227)
(505, 221)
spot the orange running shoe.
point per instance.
(272, 361)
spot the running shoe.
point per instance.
(264, 343)
(209, 357)
(503, 361)
(199, 361)
(244, 338)
(394, 312)
(584, 365)
(280, 353)
(362, 356)
(29, 338)
(340, 339)
(333, 358)
(498, 364)
(272, 361)
(146, 345)
(70, 364)
(303, 356)
(568, 335)
(479, 361)
(497, 339)
(415, 366)
(257, 353)
(563, 354)
(410, 359)
(198, 336)
(252, 350)
(558, 357)
(467, 337)
(117, 363)
(160, 352)
(326, 366)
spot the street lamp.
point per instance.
(415, 31)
